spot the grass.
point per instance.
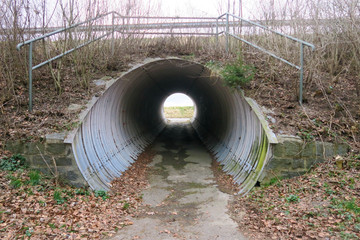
(179, 112)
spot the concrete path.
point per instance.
(182, 201)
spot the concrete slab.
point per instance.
(183, 201)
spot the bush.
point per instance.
(237, 74)
(13, 163)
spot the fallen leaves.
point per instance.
(328, 206)
(32, 211)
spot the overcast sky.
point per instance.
(209, 8)
(178, 99)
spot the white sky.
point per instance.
(189, 7)
(203, 8)
(178, 99)
(209, 8)
(252, 9)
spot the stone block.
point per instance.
(342, 149)
(324, 150)
(34, 148)
(298, 163)
(309, 150)
(15, 147)
(279, 163)
(278, 150)
(55, 137)
(292, 148)
(56, 148)
(38, 161)
(63, 161)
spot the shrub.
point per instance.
(13, 163)
(237, 74)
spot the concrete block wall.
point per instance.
(293, 157)
(36, 153)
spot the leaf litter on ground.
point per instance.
(323, 204)
(47, 211)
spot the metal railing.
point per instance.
(301, 42)
(169, 23)
(210, 23)
(31, 42)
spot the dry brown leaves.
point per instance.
(33, 210)
(225, 182)
(324, 204)
(330, 110)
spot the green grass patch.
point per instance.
(35, 178)
(59, 199)
(16, 183)
(179, 112)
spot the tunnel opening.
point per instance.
(129, 116)
(178, 107)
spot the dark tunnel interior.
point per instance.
(128, 117)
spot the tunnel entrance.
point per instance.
(179, 107)
(128, 117)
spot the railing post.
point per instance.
(227, 33)
(217, 31)
(301, 73)
(30, 76)
(112, 35)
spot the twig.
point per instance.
(56, 172)
(45, 161)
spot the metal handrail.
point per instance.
(302, 44)
(31, 42)
(114, 28)
(273, 31)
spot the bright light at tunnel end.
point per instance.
(178, 108)
(178, 100)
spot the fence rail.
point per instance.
(169, 23)
(192, 24)
(302, 43)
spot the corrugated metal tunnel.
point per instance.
(128, 117)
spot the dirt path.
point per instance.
(183, 201)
